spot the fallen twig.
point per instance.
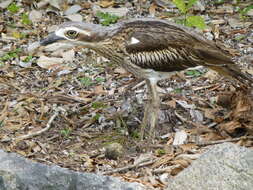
(140, 84)
(126, 168)
(184, 120)
(223, 141)
(35, 133)
(167, 169)
(41, 131)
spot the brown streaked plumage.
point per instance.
(150, 49)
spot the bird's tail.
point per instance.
(218, 60)
(232, 70)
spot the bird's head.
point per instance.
(74, 34)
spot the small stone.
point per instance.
(49, 62)
(113, 151)
(22, 145)
(196, 115)
(68, 55)
(75, 17)
(180, 138)
(57, 46)
(56, 4)
(32, 47)
(5, 4)
(250, 12)
(73, 9)
(25, 64)
(235, 23)
(122, 11)
(35, 16)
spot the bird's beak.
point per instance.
(41, 45)
(51, 38)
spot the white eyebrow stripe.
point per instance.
(134, 40)
(61, 32)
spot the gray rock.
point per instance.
(17, 173)
(224, 167)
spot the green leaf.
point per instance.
(1, 123)
(100, 79)
(180, 21)
(106, 19)
(160, 152)
(96, 117)
(25, 19)
(180, 4)
(135, 134)
(246, 9)
(193, 73)
(97, 105)
(10, 55)
(13, 8)
(195, 21)
(178, 90)
(86, 81)
(28, 59)
(65, 132)
(190, 4)
(219, 2)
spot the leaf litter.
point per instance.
(74, 108)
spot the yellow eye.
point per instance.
(72, 34)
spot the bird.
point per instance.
(151, 49)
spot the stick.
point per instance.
(223, 141)
(129, 167)
(35, 133)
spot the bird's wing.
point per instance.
(179, 50)
(159, 51)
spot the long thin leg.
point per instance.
(151, 110)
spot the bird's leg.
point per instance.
(151, 110)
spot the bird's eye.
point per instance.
(72, 34)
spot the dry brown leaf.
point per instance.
(187, 147)
(99, 90)
(225, 99)
(152, 9)
(242, 106)
(213, 114)
(163, 160)
(211, 136)
(106, 3)
(182, 162)
(176, 170)
(171, 103)
(86, 5)
(120, 70)
(231, 127)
